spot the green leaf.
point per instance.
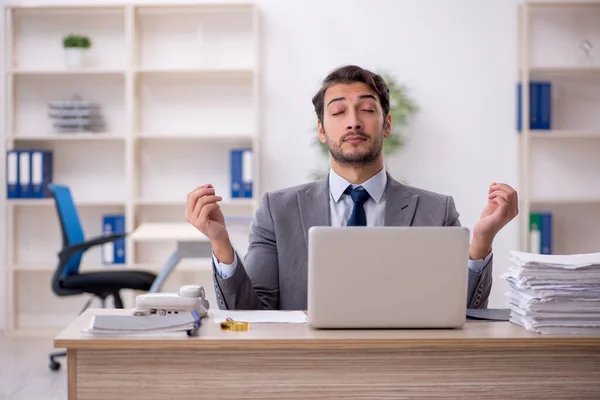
(78, 41)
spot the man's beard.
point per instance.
(354, 159)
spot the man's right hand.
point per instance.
(204, 213)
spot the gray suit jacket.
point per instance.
(273, 274)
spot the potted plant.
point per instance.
(75, 47)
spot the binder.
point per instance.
(235, 157)
(241, 173)
(113, 252)
(535, 240)
(26, 190)
(119, 227)
(247, 173)
(108, 249)
(540, 105)
(545, 105)
(13, 186)
(546, 233)
(41, 173)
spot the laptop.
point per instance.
(387, 277)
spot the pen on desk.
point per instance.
(197, 318)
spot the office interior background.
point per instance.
(177, 88)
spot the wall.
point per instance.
(459, 59)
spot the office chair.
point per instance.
(68, 281)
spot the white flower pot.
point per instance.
(74, 57)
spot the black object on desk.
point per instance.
(488, 314)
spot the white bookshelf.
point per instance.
(559, 169)
(178, 87)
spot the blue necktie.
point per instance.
(359, 196)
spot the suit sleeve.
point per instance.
(254, 284)
(479, 283)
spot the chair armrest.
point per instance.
(67, 252)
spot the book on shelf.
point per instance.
(113, 252)
(28, 173)
(540, 232)
(241, 173)
(540, 105)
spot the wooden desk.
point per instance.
(484, 360)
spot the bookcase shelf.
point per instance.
(71, 136)
(558, 134)
(177, 88)
(68, 72)
(50, 203)
(231, 138)
(559, 167)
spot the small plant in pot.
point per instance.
(75, 47)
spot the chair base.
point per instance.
(55, 365)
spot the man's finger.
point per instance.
(503, 187)
(192, 197)
(511, 196)
(202, 202)
(497, 194)
(503, 205)
(206, 210)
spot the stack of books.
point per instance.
(555, 294)
(75, 115)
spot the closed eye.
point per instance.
(368, 110)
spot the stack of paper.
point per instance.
(555, 294)
(134, 325)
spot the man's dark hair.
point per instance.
(352, 74)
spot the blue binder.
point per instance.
(241, 173)
(114, 252)
(41, 173)
(545, 106)
(26, 189)
(546, 233)
(236, 173)
(119, 227)
(13, 186)
(540, 105)
(247, 173)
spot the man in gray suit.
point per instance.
(352, 108)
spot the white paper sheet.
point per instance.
(267, 316)
(566, 261)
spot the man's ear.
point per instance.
(322, 136)
(387, 126)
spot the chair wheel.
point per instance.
(54, 366)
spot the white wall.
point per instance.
(458, 57)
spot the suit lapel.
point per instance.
(314, 206)
(400, 204)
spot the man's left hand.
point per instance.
(501, 208)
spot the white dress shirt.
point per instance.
(341, 205)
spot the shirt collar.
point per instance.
(375, 186)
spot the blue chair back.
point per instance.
(72, 230)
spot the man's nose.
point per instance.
(353, 122)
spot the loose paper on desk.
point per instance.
(555, 294)
(259, 316)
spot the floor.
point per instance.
(24, 372)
